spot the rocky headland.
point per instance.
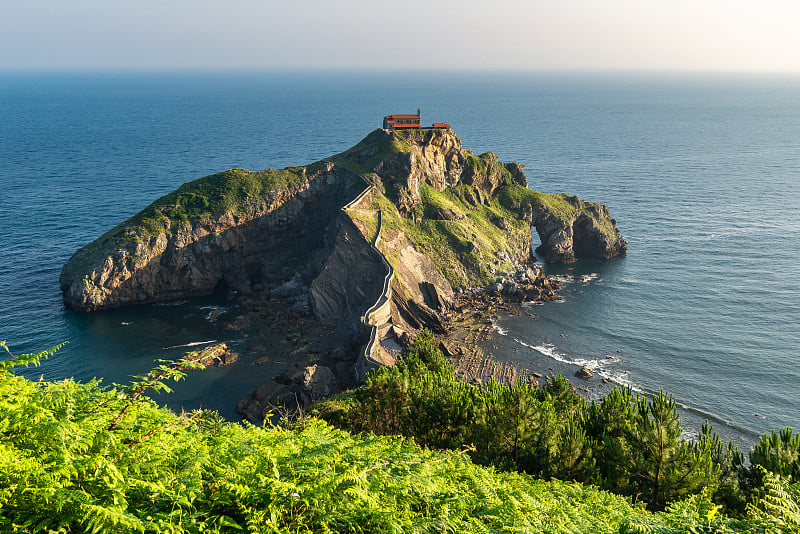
(404, 231)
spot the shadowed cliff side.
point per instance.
(238, 227)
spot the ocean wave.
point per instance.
(499, 329)
(596, 365)
(192, 344)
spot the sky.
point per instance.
(527, 35)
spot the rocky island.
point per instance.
(404, 231)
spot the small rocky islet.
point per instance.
(343, 261)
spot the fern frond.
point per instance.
(780, 504)
(27, 359)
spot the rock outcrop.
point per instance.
(190, 242)
(434, 217)
(217, 355)
(296, 388)
(583, 229)
(155, 258)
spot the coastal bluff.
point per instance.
(387, 234)
(241, 227)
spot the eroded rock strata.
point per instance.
(437, 229)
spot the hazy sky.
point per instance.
(705, 35)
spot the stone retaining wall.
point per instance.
(379, 313)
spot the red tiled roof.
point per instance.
(401, 117)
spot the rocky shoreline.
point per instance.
(320, 362)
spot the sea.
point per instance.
(701, 172)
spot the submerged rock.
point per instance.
(213, 356)
(584, 372)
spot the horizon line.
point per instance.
(400, 70)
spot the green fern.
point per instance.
(780, 504)
(25, 360)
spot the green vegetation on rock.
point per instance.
(235, 191)
(370, 151)
(518, 198)
(463, 249)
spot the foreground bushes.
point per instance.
(627, 444)
(86, 458)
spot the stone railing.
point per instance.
(359, 198)
(379, 313)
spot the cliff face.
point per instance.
(350, 278)
(375, 242)
(435, 159)
(586, 229)
(262, 240)
(449, 219)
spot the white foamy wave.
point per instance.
(499, 329)
(622, 379)
(192, 344)
(548, 350)
(597, 366)
(124, 323)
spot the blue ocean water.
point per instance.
(702, 173)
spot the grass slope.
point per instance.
(231, 191)
(449, 244)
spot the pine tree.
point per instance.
(778, 453)
(661, 466)
(573, 459)
(606, 425)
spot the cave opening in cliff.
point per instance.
(536, 242)
(221, 289)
